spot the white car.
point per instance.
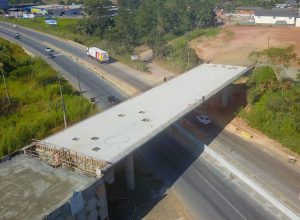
(48, 49)
(204, 119)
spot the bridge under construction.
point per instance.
(91, 147)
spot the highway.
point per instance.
(91, 85)
(205, 191)
(113, 68)
(276, 175)
(196, 185)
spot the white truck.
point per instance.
(98, 54)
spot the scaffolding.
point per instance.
(57, 156)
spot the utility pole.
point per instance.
(188, 48)
(5, 85)
(62, 101)
(268, 42)
(78, 83)
(188, 36)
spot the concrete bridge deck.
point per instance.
(112, 135)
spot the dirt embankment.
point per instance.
(234, 44)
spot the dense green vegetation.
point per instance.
(274, 101)
(274, 106)
(65, 28)
(35, 109)
(279, 58)
(151, 22)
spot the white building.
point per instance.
(297, 22)
(275, 16)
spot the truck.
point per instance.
(98, 54)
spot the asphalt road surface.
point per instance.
(110, 68)
(91, 85)
(206, 193)
(277, 176)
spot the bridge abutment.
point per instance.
(129, 172)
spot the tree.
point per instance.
(129, 4)
(125, 29)
(98, 17)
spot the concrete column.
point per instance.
(225, 97)
(129, 172)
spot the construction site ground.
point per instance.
(234, 44)
(151, 199)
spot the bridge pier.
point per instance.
(225, 97)
(129, 172)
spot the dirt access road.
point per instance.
(234, 44)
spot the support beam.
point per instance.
(129, 172)
(225, 97)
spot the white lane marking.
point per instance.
(220, 194)
(253, 184)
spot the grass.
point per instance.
(35, 111)
(66, 28)
(178, 56)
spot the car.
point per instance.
(48, 49)
(18, 35)
(113, 100)
(51, 55)
(204, 119)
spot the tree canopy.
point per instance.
(141, 21)
(274, 106)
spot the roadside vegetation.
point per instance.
(35, 109)
(164, 26)
(273, 101)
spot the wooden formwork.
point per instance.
(61, 157)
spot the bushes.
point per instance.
(35, 111)
(274, 109)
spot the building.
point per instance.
(73, 9)
(247, 11)
(32, 186)
(291, 3)
(57, 10)
(275, 16)
(4, 4)
(297, 22)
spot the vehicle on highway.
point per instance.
(18, 35)
(48, 49)
(98, 54)
(51, 55)
(204, 119)
(113, 100)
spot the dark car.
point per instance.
(18, 35)
(51, 55)
(113, 100)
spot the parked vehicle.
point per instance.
(98, 54)
(113, 100)
(204, 119)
